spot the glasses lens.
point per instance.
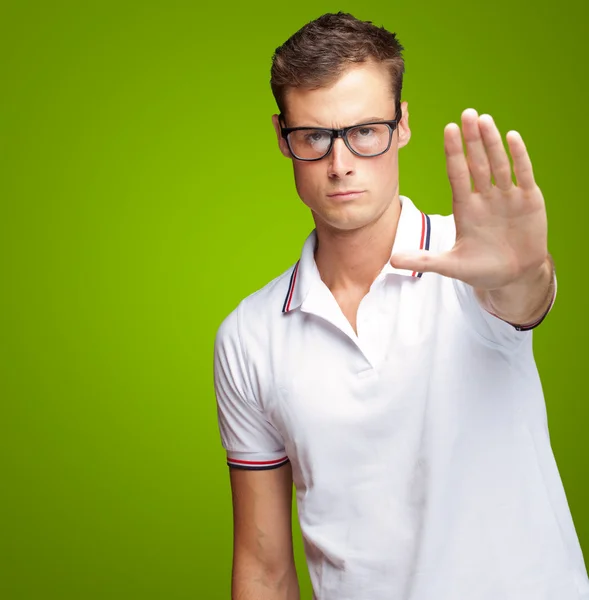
(369, 139)
(309, 143)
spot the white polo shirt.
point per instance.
(419, 447)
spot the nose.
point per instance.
(340, 160)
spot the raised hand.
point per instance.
(501, 226)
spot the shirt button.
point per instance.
(366, 373)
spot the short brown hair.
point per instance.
(318, 54)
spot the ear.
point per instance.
(281, 141)
(403, 130)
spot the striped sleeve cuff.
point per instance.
(255, 462)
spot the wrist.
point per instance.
(526, 300)
(539, 275)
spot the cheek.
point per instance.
(384, 168)
(308, 179)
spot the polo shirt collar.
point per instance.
(413, 233)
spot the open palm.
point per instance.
(501, 226)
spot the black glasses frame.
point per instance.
(342, 133)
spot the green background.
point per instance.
(142, 195)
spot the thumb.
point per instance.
(423, 261)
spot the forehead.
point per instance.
(362, 92)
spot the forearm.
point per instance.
(524, 301)
(258, 584)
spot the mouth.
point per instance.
(346, 195)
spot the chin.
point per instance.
(350, 220)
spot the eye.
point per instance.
(364, 131)
(316, 136)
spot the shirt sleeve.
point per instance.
(490, 327)
(250, 440)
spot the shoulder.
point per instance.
(257, 309)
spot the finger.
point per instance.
(456, 164)
(427, 262)
(476, 154)
(522, 165)
(498, 159)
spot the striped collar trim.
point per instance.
(291, 287)
(413, 233)
(426, 230)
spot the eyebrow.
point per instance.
(358, 122)
(371, 120)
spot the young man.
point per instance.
(390, 372)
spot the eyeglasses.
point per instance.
(364, 139)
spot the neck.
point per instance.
(351, 260)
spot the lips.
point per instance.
(345, 194)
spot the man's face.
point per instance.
(362, 94)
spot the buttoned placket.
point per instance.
(321, 303)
